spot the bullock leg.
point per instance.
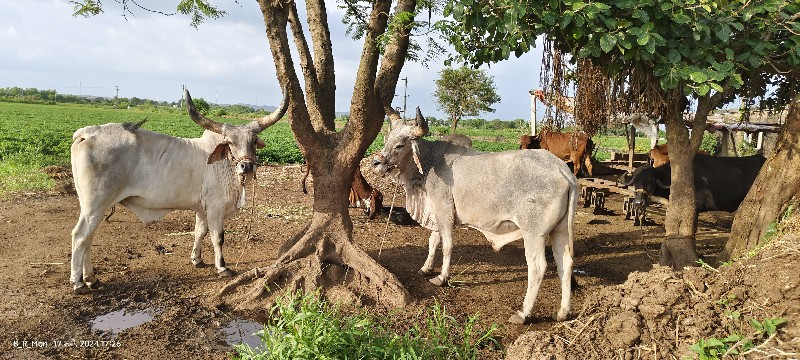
(218, 238)
(534, 257)
(81, 270)
(446, 234)
(433, 243)
(200, 231)
(562, 252)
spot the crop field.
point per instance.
(33, 136)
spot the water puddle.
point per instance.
(241, 331)
(120, 320)
(580, 271)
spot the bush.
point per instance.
(710, 144)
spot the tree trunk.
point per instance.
(678, 249)
(777, 185)
(322, 255)
(454, 122)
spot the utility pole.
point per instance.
(183, 99)
(117, 87)
(405, 95)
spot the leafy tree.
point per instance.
(323, 253)
(658, 56)
(464, 92)
(201, 105)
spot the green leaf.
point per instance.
(641, 15)
(578, 6)
(673, 56)
(643, 39)
(714, 342)
(728, 54)
(732, 338)
(566, 20)
(703, 89)
(601, 6)
(698, 77)
(724, 32)
(607, 42)
(756, 325)
(682, 18)
(737, 25)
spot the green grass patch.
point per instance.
(306, 327)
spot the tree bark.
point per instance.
(775, 187)
(454, 122)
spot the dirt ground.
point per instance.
(147, 269)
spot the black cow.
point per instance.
(720, 183)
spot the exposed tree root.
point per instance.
(318, 257)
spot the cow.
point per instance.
(659, 155)
(458, 139)
(568, 146)
(363, 195)
(720, 183)
(511, 195)
(152, 174)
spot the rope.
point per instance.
(249, 223)
(386, 228)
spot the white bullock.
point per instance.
(511, 195)
(152, 174)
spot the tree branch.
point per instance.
(275, 21)
(364, 106)
(309, 70)
(323, 60)
(386, 80)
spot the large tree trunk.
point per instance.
(679, 247)
(777, 185)
(323, 255)
(454, 124)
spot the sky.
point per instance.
(225, 61)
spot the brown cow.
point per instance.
(361, 194)
(660, 155)
(568, 146)
(364, 195)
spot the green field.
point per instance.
(33, 136)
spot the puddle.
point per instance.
(241, 331)
(120, 320)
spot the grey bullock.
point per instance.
(152, 174)
(511, 195)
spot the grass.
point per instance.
(305, 327)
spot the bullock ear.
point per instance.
(222, 152)
(260, 144)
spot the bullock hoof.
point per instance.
(226, 273)
(424, 272)
(438, 281)
(83, 290)
(94, 285)
(517, 319)
(199, 264)
(561, 316)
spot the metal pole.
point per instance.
(631, 146)
(405, 95)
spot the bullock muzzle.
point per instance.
(641, 198)
(379, 165)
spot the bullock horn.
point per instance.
(198, 118)
(421, 126)
(628, 181)
(661, 184)
(276, 115)
(394, 117)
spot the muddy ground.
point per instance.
(146, 269)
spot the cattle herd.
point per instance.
(447, 183)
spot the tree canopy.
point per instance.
(465, 92)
